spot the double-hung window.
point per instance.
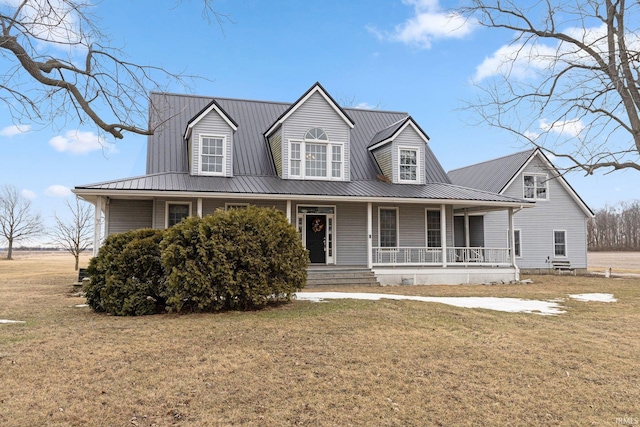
(560, 243)
(535, 187)
(388, 227)
(408, 165)
(316, 157)
(212, 156)
(434, 237)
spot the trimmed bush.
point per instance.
(236, 259)
(127, 277)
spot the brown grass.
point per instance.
(387, 363)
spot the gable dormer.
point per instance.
(209, 137)
(400, 150)
(311, 139)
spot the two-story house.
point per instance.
(554, 233)
(362, 187)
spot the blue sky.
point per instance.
(393, 55)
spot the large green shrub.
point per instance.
(127, 277)
(238, 259)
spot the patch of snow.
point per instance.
(511, 305)
(81, 305)
(11, 321)
(594, 297)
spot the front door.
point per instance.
(316, 231)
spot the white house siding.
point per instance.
(408, 138)
(211, 124)
(275, 143)
(384, 158)
(316, 112)
(126, 215)
(536, 225)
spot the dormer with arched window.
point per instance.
(311, 139)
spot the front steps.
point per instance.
(340, 276)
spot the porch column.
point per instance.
(97, 223)
(289, 211)
(467, 238)
(443, 233)
(199, 208)
(369, 234)
(512, 245)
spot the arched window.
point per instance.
(316, 157)
(316, 133)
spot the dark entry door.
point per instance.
(316, 231)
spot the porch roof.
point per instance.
(177, 184)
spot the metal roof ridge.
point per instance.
(532, 150)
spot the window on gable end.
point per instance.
(535, 186)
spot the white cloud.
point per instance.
(571, 128)
(525, 61)
(15, 130)
(57, 191)
(364, 106)
(428, 23)
(28, 194)
(517, 61)
(79, 142)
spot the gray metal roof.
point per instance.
(272, 185)
(492, 175)
(387, 132)
(167, 152)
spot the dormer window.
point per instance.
(212, 158)
(316, 157)
(408, 170)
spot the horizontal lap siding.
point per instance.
(408, 138)
(160, 210)
(536, 225)
(351, 233)
(316, 112)
(212, 125)
(412, 224)
(275, 143)
(209, 206)
(126, 215)
(383, 157)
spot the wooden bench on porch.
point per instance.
(563, 265)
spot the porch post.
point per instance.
(443, 233)
(369, 233)
(289, 211)
(512, 246)
(199, 207)
(467, 239)
(97, 222)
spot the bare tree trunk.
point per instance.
(77, 261)
(10, 250)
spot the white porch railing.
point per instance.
(420, 256)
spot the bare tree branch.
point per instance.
(57, 63)
(568, 81)
(75, 234)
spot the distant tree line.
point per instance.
(615, 228)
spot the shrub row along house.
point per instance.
(362, 187)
